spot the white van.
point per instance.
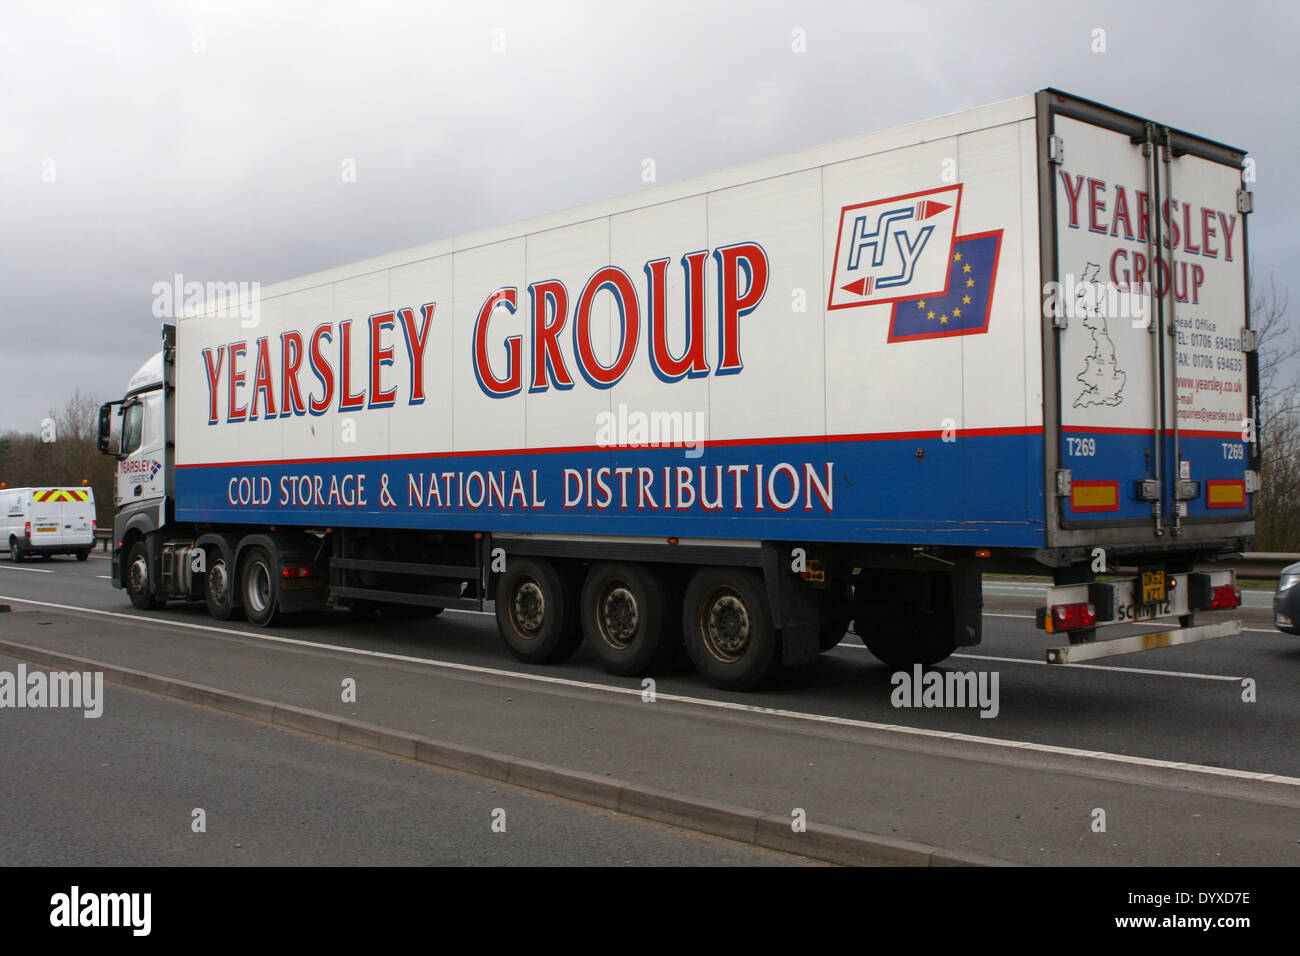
(47, 521)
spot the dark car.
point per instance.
(1286, 602)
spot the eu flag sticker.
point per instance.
(964, 310)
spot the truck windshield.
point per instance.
(133, 418)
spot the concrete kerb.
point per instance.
(740, 824)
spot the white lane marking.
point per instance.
(1094, 667)
(1102, 667)
(104, 577)
(13, 567)
(1022, 745)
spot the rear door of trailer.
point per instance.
(1152, 401)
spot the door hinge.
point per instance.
(1249, 340)
(1252, 481)
(1055, 150)
(1245, 201)
(1063, 481)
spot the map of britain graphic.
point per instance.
(1102, 378)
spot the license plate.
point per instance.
(296, 584)
(1142, 612)
(48, 530)
(1153, 586)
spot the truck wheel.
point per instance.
(907, 637)
(257, 588)
(219, 588)
(728, 628)
(137, 578)
(83, 555)
(629, 618)
(537, 612)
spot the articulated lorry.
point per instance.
(744, 412)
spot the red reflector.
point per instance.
(1229, 595)
(1069, 617)
(296, 572)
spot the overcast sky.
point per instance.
(207, 139)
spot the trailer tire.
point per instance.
(219, 589)
(136, 575)
(728, 628)
(537, 611)
(908, 637)
(630, 618)
(832, 634)
(257, 591)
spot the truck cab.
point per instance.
(134, 430)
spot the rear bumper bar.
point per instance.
(1075, 653)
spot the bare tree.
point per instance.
(71, 459)
(1277, 506)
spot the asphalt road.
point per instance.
(825, 737)
(122, 790)
(1179, 703)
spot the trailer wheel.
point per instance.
(832, 634)
(629, 618)
(907, 637)
(257, 588)
(137, 578)
(728, 628)
(537, 612)
(219, 588)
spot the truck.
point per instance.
(744, 412)
(47, 521)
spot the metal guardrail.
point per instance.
(1260, 564)
(104, 538)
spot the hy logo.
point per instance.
(896, 248)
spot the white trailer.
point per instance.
(741, 410)
(47, 521)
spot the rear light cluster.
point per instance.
(27, 530)
(1071, 617)
(1227, 596)
(296, 572)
